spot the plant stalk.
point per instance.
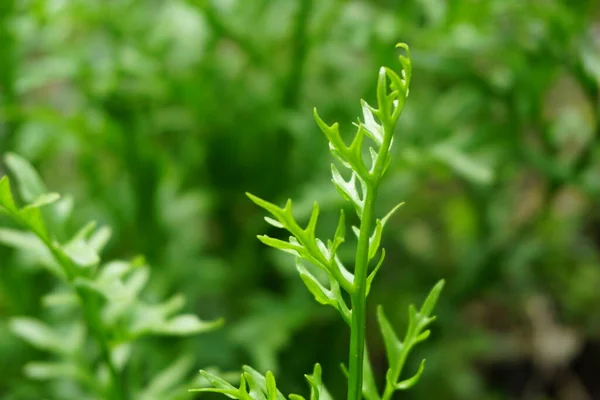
(359, 300)
(91, 313)
(361, 270)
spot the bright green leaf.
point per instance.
(6, 197)
(29, 182)
(321, 294)
(254, 377)
(43, 371)
(38, 334)
(185, 325)
(393, 345)
(318, 391)
(44, 200)
(432, 298)
(32, 218)
(412, 381)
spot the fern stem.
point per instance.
(359, 299)
(361, 270)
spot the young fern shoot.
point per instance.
(361, 190)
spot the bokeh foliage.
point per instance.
(156, 117)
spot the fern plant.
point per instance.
(361, 189)
(103, 316)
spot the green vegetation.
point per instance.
(154, 117)
(100, 305)
(361, 191)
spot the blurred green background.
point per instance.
(157, 116)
